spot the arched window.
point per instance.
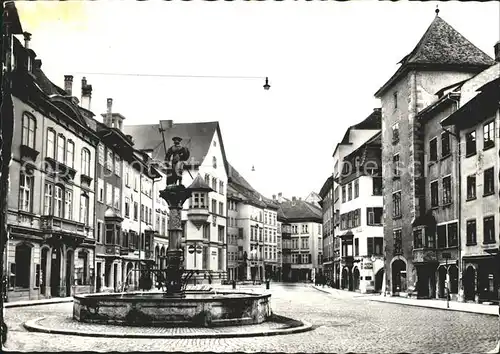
(214, 162)
(51, 143)
(85, 162)
(70, 153)
(22, 266)
(29, 129)
(61, 142)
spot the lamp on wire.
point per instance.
(266, 85)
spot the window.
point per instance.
(47, 208)
(127, 207)
(110, 228)
(374, 216)
(453, 234)
(142, 212)
(343, 194)
(214, 206)
(447, 190)
(441, 236)
(100, 190)
(433, 150)
(434, 194)
(470, 143)
(214, 183)
(471, 232)
(489, 181)
(489, 135)
(116, 199)
(356, 246)
(109, 194)
(418, 241)
(84, 209)
(396, 204)
(29, 127)
(349, 191)
(356, 188)
(221, 187)
(136, 210)
(109, 159)
(25, 192)
(136, 178)
(127, 176)
(471, 187)
(163, 225)
(395, 133)
(207, 178)
(398, 243)
(100, 151)
(51, 141)
(85, 162)
(198, 200)
(68, 205)
(70, 153)
(117, 165)
(489, 229)
(99, 232)
(221, 208)
(61, 142)
(356, 217)
(445, 144)
(395, 96)
(214, 162)
(377, 185)
(395, 165)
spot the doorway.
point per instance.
(398, 276)
(43, 278)
(69, 271)
(55, 272)
(98, 278)
(355, 279)
(115, 276)
(379, 278)
(469, 283)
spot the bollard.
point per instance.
(234, 284)
(267, 284)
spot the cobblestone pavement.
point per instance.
(343, 324)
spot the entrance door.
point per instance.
(55, 272)
(398, 276)
(69, 271)
(356, 276)
(43, 281)
(98, 278)
(379, 278)
(115, 276)
(469, 283)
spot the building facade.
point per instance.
(477, 122)
(441, 58)
(326, 195)
(50, 250)
(361, 230)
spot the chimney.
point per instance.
(131, 138)
(108, 119)
(274, 196)
(497, 52)
(86, 94)
(27, 39)
(68, 84)
(38, 63)
(294, 199)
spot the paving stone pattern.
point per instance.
(343, 324)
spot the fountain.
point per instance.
(174, 305)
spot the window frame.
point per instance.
(490, 132)
(26, 132)
(469, 141)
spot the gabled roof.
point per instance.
(326, 187)
(199, 184)
(441, 46)
(197, 137)
(299, 210)
(372, 122)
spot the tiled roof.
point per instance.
(300, 210)
(442, 45)
(326, 187)
(195, 136)
(200, 184)
(239, 186)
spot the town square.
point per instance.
(250, 176)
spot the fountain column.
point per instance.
(175, 196)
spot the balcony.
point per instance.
(52, 223)
(28, 153)
(424, 255)
(63, 171)
(112, 250)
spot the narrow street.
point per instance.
(346, 322)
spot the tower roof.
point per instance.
(441, 46)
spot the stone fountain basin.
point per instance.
(196, 309)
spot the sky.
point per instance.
(325, 60)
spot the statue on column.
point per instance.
(175, 159)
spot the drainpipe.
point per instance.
(94, 284)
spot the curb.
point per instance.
(33, 326)
(38, 303)
(436, 308)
